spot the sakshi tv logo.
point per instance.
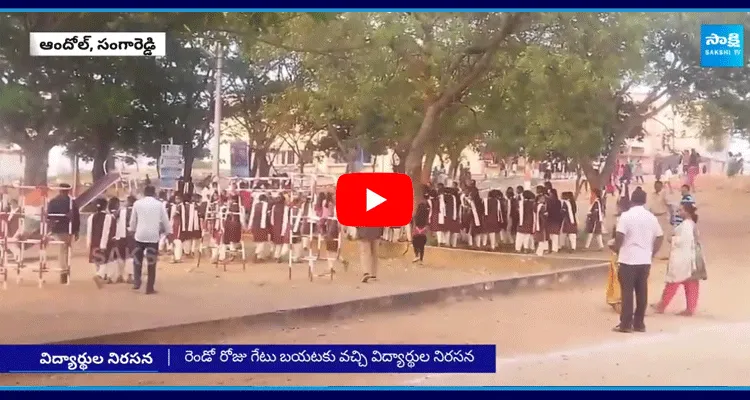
(723, 46)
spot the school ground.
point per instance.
(553, 337)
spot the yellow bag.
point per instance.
(613, 292)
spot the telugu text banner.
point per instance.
(97, 44)
(248, 358)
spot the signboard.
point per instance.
(239, 159)
(171, 150)
(171, 165)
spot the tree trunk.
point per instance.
(261, 167)
(101, 159)
(36, 164)
(427, 166)
(593, 176)
(76, 175)
(301, 164)
(97, 170)
(413, 162)
(103, 163)
(188, 154)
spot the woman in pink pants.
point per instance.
(684, 268)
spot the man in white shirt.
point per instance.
(148, 221)
(637, 240)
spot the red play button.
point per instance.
(374, 199)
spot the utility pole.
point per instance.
(216, 148)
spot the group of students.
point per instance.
(222, 216)
(539, 221)
(111, 245)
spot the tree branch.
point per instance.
(453, 93)
(323, 52)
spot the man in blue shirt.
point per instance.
(687, 198)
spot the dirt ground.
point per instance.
(543, 338)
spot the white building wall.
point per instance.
(11, 166)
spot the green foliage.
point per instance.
(414, 82)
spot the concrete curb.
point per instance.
(208, 330)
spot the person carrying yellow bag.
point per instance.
(613, 292)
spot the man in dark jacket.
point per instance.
(368, 251)
(64, 222)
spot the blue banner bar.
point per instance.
(247, 358)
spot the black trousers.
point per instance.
(418, 242)
(145, 252)
(633, 280)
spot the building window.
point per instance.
(365, 157)
(290, 159)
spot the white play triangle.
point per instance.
(373, 200)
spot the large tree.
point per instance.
(39, 96)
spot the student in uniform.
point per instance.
(164, 244)
(524, 236)
(448, 218)
(419, 233)
(213, 224)
(280, 214)
(185, 188)
(298, 220)
(433, 204)
(177, 215)
(233, 224)
(454, 227)
(513, 216)
(101, 230)
(124, 242)
(504, 236)
(329, 231)
(541, 234)
(554, 219)
(569, 221)
(594, 219)
(472, 218)
(441, 228)
(464, 216)
(260, 227)
(192, 231)
(196, 227)
(14, 228)
(493, 218)
(188, 240)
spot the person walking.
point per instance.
(693, 169)
(638, 172)
(419, 233)
(685, 198)
(64, 221)
(368, 251)
(659, 206)
(686, 266)
(148, 221)
(638, 238)
(595, 219)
